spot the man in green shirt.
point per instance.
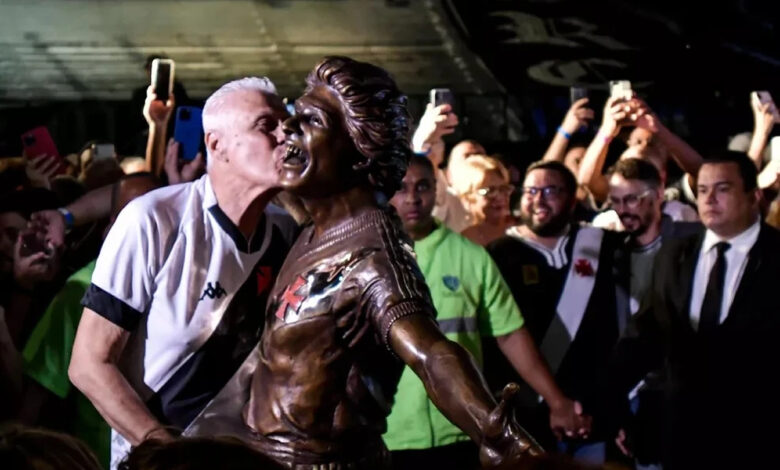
(473, 301)
(46, 357)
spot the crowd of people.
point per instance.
(633, 310)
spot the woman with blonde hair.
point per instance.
(482, 183)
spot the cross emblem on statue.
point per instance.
(291, 298)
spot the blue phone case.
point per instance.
(188, 131)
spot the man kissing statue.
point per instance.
(350, 306)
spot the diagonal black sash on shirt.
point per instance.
(574, 298)
(208, 369)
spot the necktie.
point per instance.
(709, 317)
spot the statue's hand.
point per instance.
(505, 443)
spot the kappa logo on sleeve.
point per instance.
(213, 291)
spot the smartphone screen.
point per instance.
(188, 131)
(162, 78)
(440, 96)
(103, 151)
(620, 89)
(577, 93)
(32, 243)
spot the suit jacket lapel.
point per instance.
(689, 256)
(750, 275)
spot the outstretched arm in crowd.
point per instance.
(578, 116)
(93, 206)
(157, 114)
(590, 176)
(686, 157)
(93, 370)
(96, 204)
(763, 122)
(434, 125)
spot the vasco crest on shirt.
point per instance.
(530, 274)
(309, 294)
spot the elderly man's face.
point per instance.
(251, 136)
(319, 152)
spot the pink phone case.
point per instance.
(37, 142)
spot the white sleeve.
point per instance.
(123, 281)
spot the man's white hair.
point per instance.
(215, 102)
(213, 109)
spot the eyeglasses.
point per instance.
(546, 191)
(631, 201)
(495, 191)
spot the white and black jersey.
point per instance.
(180, 276)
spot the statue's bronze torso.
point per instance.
(326, 377)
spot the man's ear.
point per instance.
(214, 146)
(757, 196)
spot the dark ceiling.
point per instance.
(718, 44)
(510, 62)
(76, 49)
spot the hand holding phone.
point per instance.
(437, 121)
(579, 114)
(440, 96)
(761, 99)
(38, 144)
(577, 93)
(156, 112)
(33, 243)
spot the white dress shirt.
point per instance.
(736, 260)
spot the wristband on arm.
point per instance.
(564, 133)
(606, 138)
(68, 216)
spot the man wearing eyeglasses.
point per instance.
(565, 280)
(636, 195)
(710, 319)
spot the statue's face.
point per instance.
(319, 152)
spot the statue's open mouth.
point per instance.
(295, 158)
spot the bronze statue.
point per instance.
(350, 306)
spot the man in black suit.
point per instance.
(712, 319)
